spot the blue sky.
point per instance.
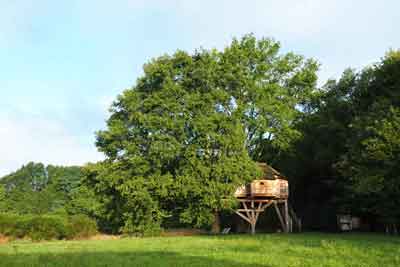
(63, 62)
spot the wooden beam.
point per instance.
(267, 205)
(259, 200)
(286, 210)
(257, 206)
(258, 210)
(244, 217)
(253, 215)
(246, 209)
(279, 216)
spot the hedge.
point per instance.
(46, 227)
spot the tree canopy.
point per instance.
(183, 138)
(346, 160)
(38, 189)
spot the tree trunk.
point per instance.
(216, 226)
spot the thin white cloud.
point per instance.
(29, 138)
(301, 18)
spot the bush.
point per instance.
(46, 227)
(81, 226)
(7, 223)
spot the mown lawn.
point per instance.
(268, 250)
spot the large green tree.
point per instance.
(372, 159)
(181, 140)
(345, 158)
(318, 188)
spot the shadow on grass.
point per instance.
(114, 259)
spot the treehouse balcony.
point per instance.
(271, 185)
(269, 189)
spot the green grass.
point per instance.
(269, 250)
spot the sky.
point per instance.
(63, 62)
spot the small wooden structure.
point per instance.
(271, 190)
(346, 222)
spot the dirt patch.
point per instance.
(183, 232)
(104, 237)
(3, 239)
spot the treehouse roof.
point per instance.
(269, 173)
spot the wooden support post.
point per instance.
(253, 207)
(250, 213)
(278, 212)
(253, 227)
(246, 209)
(286, 210)
(258, 210)
(243, 217)
(253, 219)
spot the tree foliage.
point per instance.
(39, 189)
(372, 158)
(181, 140)
(345, 160)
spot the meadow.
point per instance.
(261, 250)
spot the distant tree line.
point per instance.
(181, 140)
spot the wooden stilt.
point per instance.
(243, 217)
(253, 219)
(250, 213)
(278, 212)
(246, 209)
(295, 219)
(286, 211)
(251, 208)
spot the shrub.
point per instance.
(46, 227)
(81, 226)
(7, 223)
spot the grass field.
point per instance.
(308, 249)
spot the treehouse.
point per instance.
(271, 189)
(270, 185)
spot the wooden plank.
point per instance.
(259, 200)
(257, 210)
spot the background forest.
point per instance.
(190, 130)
